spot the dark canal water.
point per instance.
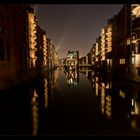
(71, 103)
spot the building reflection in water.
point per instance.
(41, 94)
(102, 90)
(116, 99)
(34, 112)
(46, 92)
(135, 113)
(122, 94)
(72, 77)
(96, 85)
(52, 77)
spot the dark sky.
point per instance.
(74, 27)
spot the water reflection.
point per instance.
(39, 107)
(34, 112)
(135, 114)
(42, 93)
(46, 92)
(119, 100)
(52, 77)
(72, 77)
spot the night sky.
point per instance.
(74, 27)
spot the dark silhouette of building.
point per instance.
(13, 40)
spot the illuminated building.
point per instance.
(126, 51)
(111, 44)
(14, 40)
(85, 62)
(98, 52)
(117, 49)
(56, 58)
(51, 54)
(32, 36)
(39, 53)
(41, 62)
(122, 49)
(82, 60)
(101, 52)
(44, 49)
(135, 41)
(103, 47)
(92, 51)
(72, 60)
(23, 50)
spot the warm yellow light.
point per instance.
(108, 106)
(136, 11)
(137, 59)
(96, 89)
(46, 92)
(133, 124)
(35, 112)
(122, 94)
(128, 41)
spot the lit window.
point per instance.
(128, 41)
(138, 12)
(137, 47)
(137, 59)
(133, 37)
(122, 61)
(122, 94)
(133, 60)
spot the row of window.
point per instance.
(122, 61)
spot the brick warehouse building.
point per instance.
(15, 40)
(12, 41)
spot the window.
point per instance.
(122, 61)
(137, 47)
(2, 52)
(122, 94)
(128, 41)
(133, 60)
(138, 12)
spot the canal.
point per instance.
(61, 102)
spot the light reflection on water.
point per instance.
(124, 93)
(79, 101)
(34, 112)
(115, 102)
